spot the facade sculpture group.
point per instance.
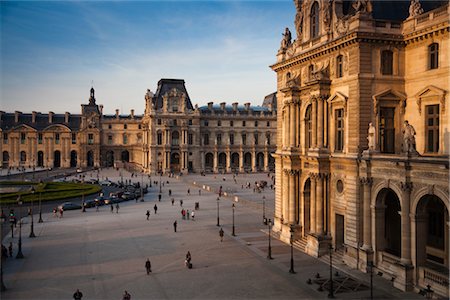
(363, 152)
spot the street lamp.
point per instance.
(218, 222)
(233, 206)
(32, 235)
(269, 254)
(291, 270)
(264, 210)
(142, 186)
(40, 207)
(160, 182)
(83, 205)
(331, 293)
(370, 267)
(429, 292)
(19, 252)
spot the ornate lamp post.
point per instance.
(233, 233)
(370, 267)
(269, 252)
(83, 205)
(218, 221)
(32, 235)
(291, 270)
(429, 292)
(264, 210)
(19, 252)
(331, 293)
(40, 207)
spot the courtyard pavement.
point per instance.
(103, 253)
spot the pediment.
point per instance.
(337, 97)
(57, 127)
(430, 91)
(389, 94)
(24, 127)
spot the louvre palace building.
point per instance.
(171, 136)
(362, 158)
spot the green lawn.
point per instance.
(47, 191)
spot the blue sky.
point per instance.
(51, 51)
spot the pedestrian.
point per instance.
(175, 226)
(188, 260)
(148, 266)
(54, 212)
(4, 252)
(155, 208)
(148, 214)
(117, 208)
(10, 249)
(77, 295)
(173, 200)
(126, 296)
(221, 234)
(199, 192)
(159, 197)
(170, 192)
(189, 191)
(192, 215)
(61, 211)
(181, 203)
(112, 208)
(187, 214)
(96, 206)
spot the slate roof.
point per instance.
(270, 99)
(164, 86)
(7, 121)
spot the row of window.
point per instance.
(23, 138)
(244, 123)
(125, 126)
(206, 139)
(124, 139)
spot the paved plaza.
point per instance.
(103, 253)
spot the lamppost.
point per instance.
(264, 210)
(160, 182)
(291, 270)
(83, 205)
(233, 233)
(19, 252)
(218, 223)
(269, 252)
(142, 186)
(3, 287)
(370, 267)
(32, 235)
(429, 292)
(40, 207)
(331, 293)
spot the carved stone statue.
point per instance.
(298, 19)
(371, 137)
(362, 6)
(415, 8)
(287, 38)
(409, 140)
(327, 14)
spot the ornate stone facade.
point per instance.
(171, 136)
(350, 66)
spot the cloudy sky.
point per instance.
(51, 51)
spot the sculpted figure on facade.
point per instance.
(327, 14)
(299, 19)
(409, 139)
(371, 137)
(362, 6)
(415, 8)
(287, 39)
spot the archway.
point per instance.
(5, 159)
(247, 161)
(125, 156)
(110, 158)
(90, 159)
(222, 161)
(40, 159)
(73, 159)
(388, 222)
(209, 161)
(260, 161)
(175, 162)
(57, 159)
(306, 207)
(235, 161)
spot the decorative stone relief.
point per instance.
(415, 9)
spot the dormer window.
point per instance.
(314, 20)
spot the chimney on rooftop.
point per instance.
(247, 105)
(117, 113)
(132, 113)
(222, 105)
(235, 106)
(16, 116)
(66, 117)
(210, 105)
(101, 109)
(50, 116)
(33, 116)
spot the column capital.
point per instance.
(366, 181)
(406, 186)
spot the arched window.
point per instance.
(386, 62)
(314, 20)
(433, 56)
(23, 156)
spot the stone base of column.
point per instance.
(285, 232)
(317, 245)
(365, 256)
(403, 276)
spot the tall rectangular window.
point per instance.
(110, 139)
(339, 130)
(5, 138)
(23, 137)
(159, 138)
(109, 126)
(56, 138)
(433, 54)
(387, 130)
(268, 124)
(206, 123)
(206, 139)
(339, 66)
(219, 123)
(159, 122)
(387, 62)
(231, 123)
(243, 123)
(39, 138)
(244, 139)
(256, 123)
(219, 139)
(74, 138)
(432, 128)
(190, 139)
(125, 126)
(256, 138)
(231, 139)
(125, 139)
(90, 138)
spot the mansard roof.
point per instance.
(270, 99)
(165, 86)
(8, 122)
(229, 109)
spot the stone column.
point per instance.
(266, 160)
(30, 151)
(228, 168)
(319, 122)
(254, 161)
(319, 204)
(292, 191)
(293, 125)
(367, 219)
(287, 133)
(406, 223)
(285, 195)
(312, 202)
(216, 162)
(314, 123)
(241, 161)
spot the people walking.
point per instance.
(221, 234)
(148, 266)
(170, 192)
(77, 295)
(148, 214)
(189, 191)
(183, 214)
(181, 203)
(192, 215)
(173, 200)
(10, 249)
(175, 226)
(126, 296)
(188, 260)
(159, 197)
(112, 208)
(155, 208)
(117, 208)
(187, 213)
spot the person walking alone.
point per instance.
(148, 214)
(148, 266)
(192, 215)
(221, 234)
(117, 208)
(175, 226)
(10, 249)
(112, 208)
(155, 208)
(126, 296)
(77, 295)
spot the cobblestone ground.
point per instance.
(103, 253)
